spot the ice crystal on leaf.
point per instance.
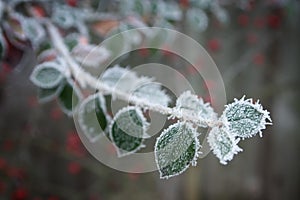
(128, 130)
(190, 104)
(245, 118)
(152, 93)
(175, 149)
(223, 144)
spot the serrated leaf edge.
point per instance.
(266, 119)
(193, 162)
(122, 153)
(211, 141)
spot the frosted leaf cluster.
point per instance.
(241, 119)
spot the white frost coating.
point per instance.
(121, 152)
(190, 104)
(34, 31)
(49, 97)
(223, 144)
(152, 93)
(88, 107)
(90, 55)
(255, 128)
(169, 10)
(78, 94)
(197, 19)
(194, 135)
(48, 82)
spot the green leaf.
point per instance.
(197, 19)
(33, 31)
(128, 129)
(92, 117)
(223, 144)
(48, 94)
(175, 149)
(69, 98)
(245, 119)
(47, 75)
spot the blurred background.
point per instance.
(255, 45)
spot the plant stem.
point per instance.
(84, 79)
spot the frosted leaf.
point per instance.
(92, 117)
(151, 92)
(2, 45)
(175, 149)
(69, 98)
(220, 13)
(90, 55)
(197, 19)
(47, 75)
(201, 3)
(169, 10)
(223, 144)
(48, 94)
(120, 78)
(190, 104)
(63, 16)
(33, 31)
(128, 130)
(245, 119)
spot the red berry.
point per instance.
(214, 45)
(259, 59)
(74, 168)
(243, 20)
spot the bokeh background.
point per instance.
(257, 52)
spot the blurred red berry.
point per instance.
(74, 145)
(2, 187)
(74, 168)
(274, 21)
(214, 45)
(144, 52)
(3, 163)
(259, 59)
(72, 3)
(56, 114)
(243, 20)
(184, 3)
(19, 194)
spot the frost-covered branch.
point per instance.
(84, 79)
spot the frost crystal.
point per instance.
(152, 92)
(245, 119)
(192, 105)
(92, 117)
(128, 130)
(175, 149)
(223, 144)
